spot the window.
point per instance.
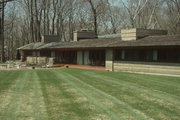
(34, 54)
(117, 55)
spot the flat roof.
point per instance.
(163, 40)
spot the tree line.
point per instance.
(27, 20)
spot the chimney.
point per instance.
(50, 38)
(137, 33)
(84, 34)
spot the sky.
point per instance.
(114, 2)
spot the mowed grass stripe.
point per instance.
(62, 100)
(161, 100)
(147, 81)
(66, 94)
(124, 111)
(156, 82)
(164, 80)
(148, 90)
(39, 107)
(93, 96)
(124, 81)
(115, 111)
(7, 78)
(24, 102)
(142, 99)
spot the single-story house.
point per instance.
(136, 50)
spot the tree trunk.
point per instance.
(94, 15)
(2, 33)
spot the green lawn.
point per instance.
(71, 94)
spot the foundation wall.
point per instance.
(147, 67)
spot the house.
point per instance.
(137, 50)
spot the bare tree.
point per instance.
(95, 14)
(2, 30)
(62, 17)
(172, 12)
(134, 8)
(2, 9)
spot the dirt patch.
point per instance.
(108, 103)
(81, 100)
(100, 117)
(5, 99)
(88, 107)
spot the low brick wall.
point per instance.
(42, 60)
(147, 67)
(39, 60)
(31, 60)
(51, 60)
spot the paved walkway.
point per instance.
(87, 67)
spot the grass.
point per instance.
(71, 94)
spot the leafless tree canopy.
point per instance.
(26, 21)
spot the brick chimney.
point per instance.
(84, 34)
(137, 33)
(50, 38)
